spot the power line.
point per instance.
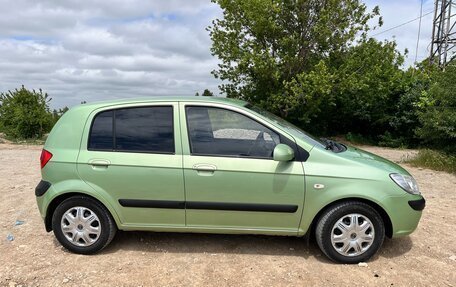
(419, 31)
(403, 24)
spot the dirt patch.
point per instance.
(35, 258)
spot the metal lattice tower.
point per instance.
(443, 32)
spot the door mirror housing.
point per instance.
(282, 152)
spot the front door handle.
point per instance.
(205, 169)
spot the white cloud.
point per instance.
(106, 49)
(93, 50)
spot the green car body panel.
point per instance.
(302, 188)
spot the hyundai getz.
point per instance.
(214, 165)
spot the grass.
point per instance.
(435, 160)
(29, 141)
(32, 141)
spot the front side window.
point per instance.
(216, 131)
(142, 129)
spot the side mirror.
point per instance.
(282, 152)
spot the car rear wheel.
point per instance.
(83, 225)
(350, 232)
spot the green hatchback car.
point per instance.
(215, 165)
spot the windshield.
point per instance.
(286, 125)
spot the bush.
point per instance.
(438, 115)
(25, 114)
(388, 140)
(359, 139)
(434, 160)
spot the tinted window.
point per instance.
(101, 137)
(145, 129)
(215, 131)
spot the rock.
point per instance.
(291, 249)
(12, 284)
(362, 264)
(453, 257)
(66, 280)
(19, 222)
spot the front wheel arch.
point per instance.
(385, 217)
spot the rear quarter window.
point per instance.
(101, 133)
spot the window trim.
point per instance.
(294, 147)
(114, 130)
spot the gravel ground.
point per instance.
(35, 258)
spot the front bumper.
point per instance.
(405, 213)
(418, 204)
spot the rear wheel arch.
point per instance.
(60, 198)
(385, 217)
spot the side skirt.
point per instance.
(213, 230)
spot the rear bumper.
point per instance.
(42, 187)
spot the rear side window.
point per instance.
(144, 129)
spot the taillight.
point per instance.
(45, 157)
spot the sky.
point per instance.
(98, 50)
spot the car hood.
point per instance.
(370, 159)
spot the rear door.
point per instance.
(231, 180)
(132, 157)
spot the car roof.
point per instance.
(154, 99)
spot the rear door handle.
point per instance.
(204, 168)
(99, 162)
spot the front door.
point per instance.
(132, 157)
(231, 180)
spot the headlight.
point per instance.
(406, 182)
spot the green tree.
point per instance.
(207, 93)
(402, 116)
(308, 61)
(57, 114)
(25, 113)
(438, 111)
(351, 92)
(265, 44)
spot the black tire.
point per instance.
(324, 231)
(107, 230)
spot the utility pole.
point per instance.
(443, 32)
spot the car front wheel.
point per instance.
(350, 232)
